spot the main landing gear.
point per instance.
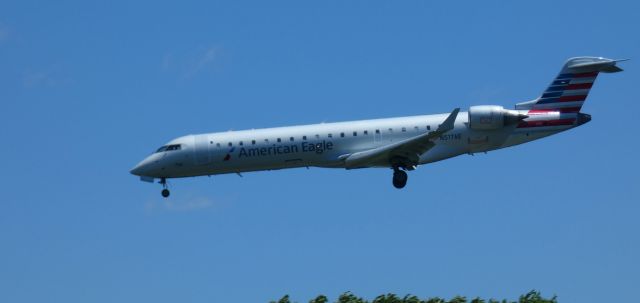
(399, 178)
(165, 191)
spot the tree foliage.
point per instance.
(348, 297)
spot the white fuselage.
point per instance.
(322, 145)
(398, 143)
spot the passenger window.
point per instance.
(377, 131)
(416, 128)
(428, 127)
(218, 144)
(404, 129)
(304, 138)
(390, 129)
(317, 136)
(330, 135)
(230, 144)
(240, 143)
(253, 142)
(341, 135)
(355, 134)
(279, 140)
(266, 140)
(366, 132)
(291, 139)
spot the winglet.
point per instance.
(447, 125)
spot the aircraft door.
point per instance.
(202, 149)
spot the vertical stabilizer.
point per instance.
(568, 91)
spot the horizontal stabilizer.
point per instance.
(590, 64)
(611, 69)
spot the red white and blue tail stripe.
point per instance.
(562, 100)
(567, 92)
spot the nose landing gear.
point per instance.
(165, 191)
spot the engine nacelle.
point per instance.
(489, 117)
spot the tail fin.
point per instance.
(568, 91)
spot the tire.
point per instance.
(165, 193)
(400, 179)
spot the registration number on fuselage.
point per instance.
(447, 137)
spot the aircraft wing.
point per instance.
(405, 153)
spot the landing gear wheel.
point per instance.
(165, 192)
(399, 178)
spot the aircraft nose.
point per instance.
(142, 168)
(137, 170)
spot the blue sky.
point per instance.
(88, 89)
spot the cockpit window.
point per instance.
(169, 147)
(174, 147)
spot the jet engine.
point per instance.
(490, 117)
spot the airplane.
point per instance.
(401, 144)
